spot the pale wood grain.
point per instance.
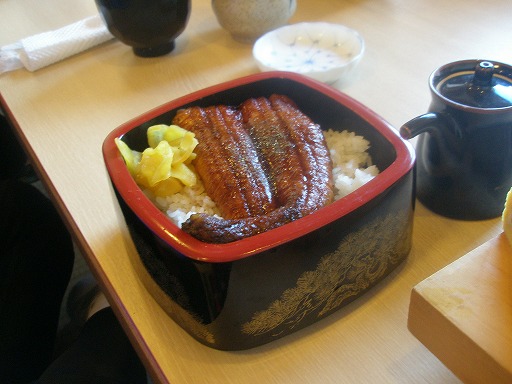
(64, 112)
(463, 313)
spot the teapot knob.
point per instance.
(483, 74)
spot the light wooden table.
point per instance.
(63, 112)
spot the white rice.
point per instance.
(180, 206)
(352, 165)
(352, 168)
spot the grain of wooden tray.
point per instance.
(463, 314)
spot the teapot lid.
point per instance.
(475, 83)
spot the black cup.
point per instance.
(150, 27)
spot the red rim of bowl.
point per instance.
(184, 243)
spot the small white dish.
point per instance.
(323, 51)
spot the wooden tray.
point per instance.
(463, 314)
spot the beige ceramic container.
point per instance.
(247, 20)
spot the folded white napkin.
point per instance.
(46, 48)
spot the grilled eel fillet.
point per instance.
(238, 185)
(277, 138)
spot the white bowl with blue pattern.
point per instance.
(324, 51)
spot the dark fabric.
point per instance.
(36, 260)
(101, 355)
(12, 156)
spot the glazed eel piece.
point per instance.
(296, 161)
(241, 188)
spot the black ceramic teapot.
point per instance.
(464, 151)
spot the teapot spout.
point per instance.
(441, 151)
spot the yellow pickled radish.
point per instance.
(507, 217)
(167, 187)
(131, 157)
(174, 133)
(184, 150)
(184, 174)
(155, 134)
(170, 133)
(165, 167)
(155, 165)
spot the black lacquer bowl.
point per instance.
(247, 293)
(150, 27)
